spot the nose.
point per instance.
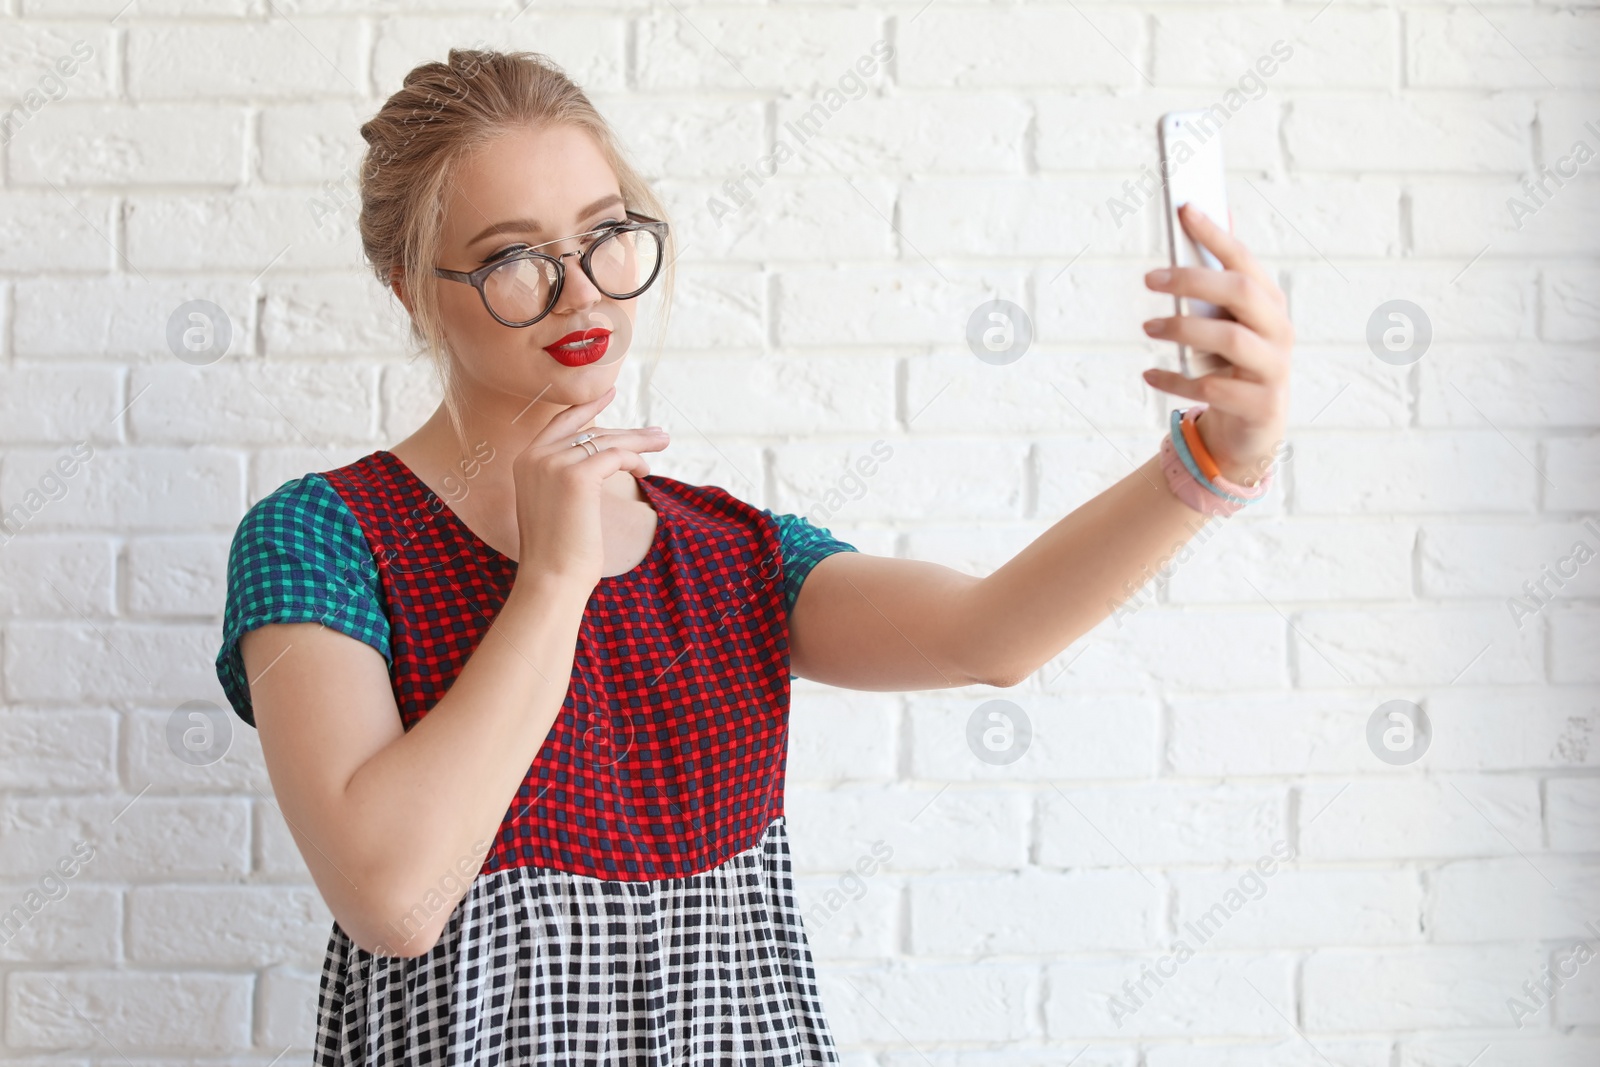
(577, 291)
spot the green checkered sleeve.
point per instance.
(298, 555)
(804, 546)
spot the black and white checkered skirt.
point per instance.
(539, 966)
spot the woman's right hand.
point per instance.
(559, 488)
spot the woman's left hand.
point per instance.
(1248, 401)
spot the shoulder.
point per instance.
(304, 518)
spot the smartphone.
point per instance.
(1191, 165)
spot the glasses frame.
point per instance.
(634, 222)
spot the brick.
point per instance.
(1100, 44)
(1080, 133)
(785, 218)
(1412, 133)
(1354, 49)
(1011, 217)
(1028, 913)
(1573, 814)
(807, 51)
(152, 837)
(1548, 899)
(1414, 646)
(1514, 728)
(1574, 635)
(851, 915)
(1299, 560)
(272, 59)
(1245, 908)
(29, 64)
(242, 926)
(251, 233)
(818, 718)
(1411, 473)
(685, 137)
(936, 133)
(1072, 738)
(1465, 816)
(1481, 303)
(957, 392)
(1419, 988)
(1159, 824)
(132, 1010)
(1457, 219)
(55, 231)
(286, 1007)
(1569, 303)
(58, 750)
(112, 145)
(937, 1001)
(121, 315)
(902, 478)
(282, 404)
(1526, 49)
(947, 829)
(313, 143)
(1208, 995)
(332, 316)
(1572, 467)
(895, 305)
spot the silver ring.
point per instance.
(587, 441)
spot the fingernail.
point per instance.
(1150, 376)
(1159, 277)
(1152, 325)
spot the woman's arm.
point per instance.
(873, 622)
(385, 816)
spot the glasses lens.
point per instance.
(623, 263)
(520, 290)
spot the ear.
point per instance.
(397, 282)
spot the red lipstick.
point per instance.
(580, 347)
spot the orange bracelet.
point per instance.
(1197, 448)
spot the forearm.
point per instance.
(1072, 576)
(429, 801)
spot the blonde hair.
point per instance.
(416, 142)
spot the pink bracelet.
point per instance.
(1188, 489)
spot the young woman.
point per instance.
(531, 742)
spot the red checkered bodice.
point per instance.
(668, 754)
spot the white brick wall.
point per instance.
(1173, 748)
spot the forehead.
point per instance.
(547, 175)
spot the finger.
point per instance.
(609, 461)
(1228, 249)
(571, 419)
(1236, 396)
(1244, 297)
(638, 440)
(1233, 341)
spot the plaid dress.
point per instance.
(637, 904)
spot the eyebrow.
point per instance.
(530, 226)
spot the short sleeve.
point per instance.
(803, 546)
(298, 555)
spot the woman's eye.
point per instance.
(502, 253)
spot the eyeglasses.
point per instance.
(523, 286)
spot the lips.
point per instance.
(583, 347)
